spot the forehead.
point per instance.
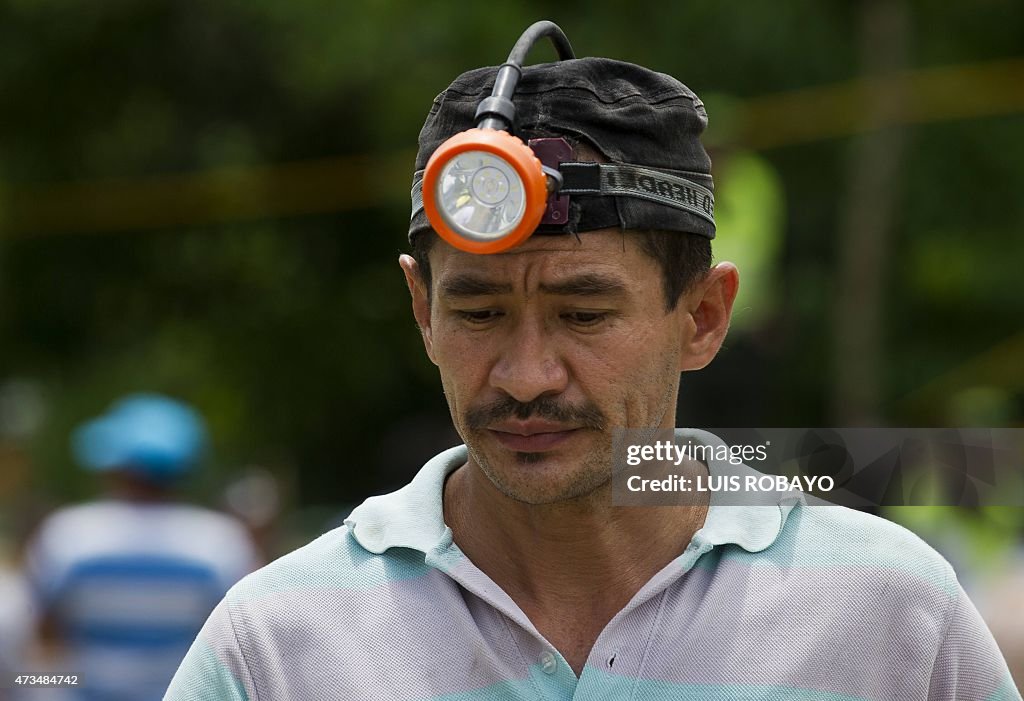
(544, 259)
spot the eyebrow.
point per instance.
(586, 285)
(466, 285)
(582, 285)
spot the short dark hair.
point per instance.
(684, 259)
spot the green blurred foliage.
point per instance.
(293, 335)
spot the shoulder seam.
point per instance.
(954, 604)
(241, 652)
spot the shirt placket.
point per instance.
(621, 651)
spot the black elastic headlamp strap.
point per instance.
(626, 180)
(620, 180)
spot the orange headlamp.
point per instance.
(484, 190)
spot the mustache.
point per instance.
(586, 415)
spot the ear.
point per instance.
(420, 301)
(708, 308)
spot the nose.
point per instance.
(529, 365)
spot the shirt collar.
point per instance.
(413, 516)
(751, 519)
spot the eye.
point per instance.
(479, 316)
(581, 318)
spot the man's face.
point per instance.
(544, 350)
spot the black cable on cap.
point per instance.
(498, 111)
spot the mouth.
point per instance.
(532, 437)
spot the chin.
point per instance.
(546, 477)
(529, 458)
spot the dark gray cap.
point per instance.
(646, 124)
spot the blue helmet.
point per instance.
(154, 435)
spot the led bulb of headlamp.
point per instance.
(484, 191)
(480, 195)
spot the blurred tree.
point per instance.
(867, 222)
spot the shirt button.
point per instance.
(548, 662)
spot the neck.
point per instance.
(584, 555)
(127, 486)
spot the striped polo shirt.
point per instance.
(776, 600)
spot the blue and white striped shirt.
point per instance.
(129, 585)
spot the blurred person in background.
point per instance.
(125, 582)
(16, 622)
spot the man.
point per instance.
(125, 582)
(505, 570)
